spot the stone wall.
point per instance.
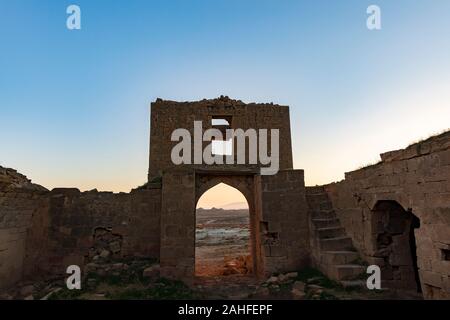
(276, 203)
(278, 219)
(284, 223)
(20, 201)
(166, 116)
(178, 224)
(418, 180)
(43, 232)
(81, 225)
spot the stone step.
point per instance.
(324, 223)
(323, 214)
(317, 197)
(330, 232)
(321, 194)
(336, 244)
(318, 206)
(347, 271)
(326, 206)
(338, 257)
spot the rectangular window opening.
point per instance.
(222, 148)
(219, 122)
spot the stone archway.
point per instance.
(222, 236)
(181, 189)
(245, 183)
(277, 210)
(393, 236)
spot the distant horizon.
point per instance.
(225, 209)
(226, 206)
(243, 203)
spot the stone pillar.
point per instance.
(177, 253)
(284, 225)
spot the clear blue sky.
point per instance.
(74, 105)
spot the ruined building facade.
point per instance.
(395, 214)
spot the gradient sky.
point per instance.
(74, 105)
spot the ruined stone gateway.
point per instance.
(395, 214)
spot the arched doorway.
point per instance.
(223, 234)
(395, 242)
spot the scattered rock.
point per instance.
(275, 287)
(314, 280)
(118, 266)
(95, 273)
(314, 287)
(291, 275)
(151, 272)
(51, 293)
(106, 240)
(272, 279)
(282, 278)
(90, 267)
(115, 247)
(298, 285)
(6, 296)
(237, 265)
(105, 254)
(298, 294)
(238, 296)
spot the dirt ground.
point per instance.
(222, 242)
(223, 271)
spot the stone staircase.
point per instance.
(332, 250)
